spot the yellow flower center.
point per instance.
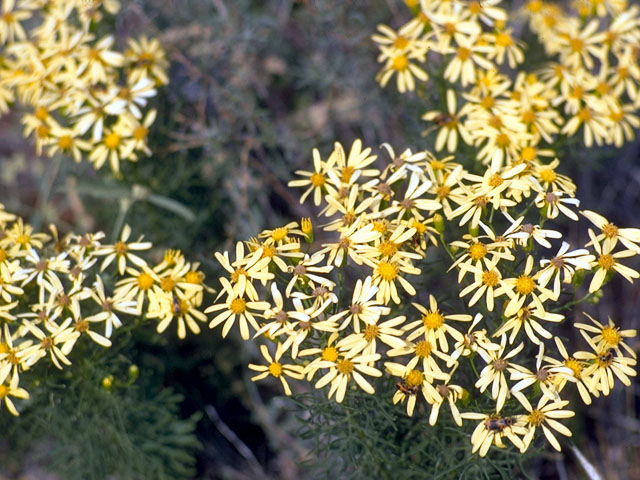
(464, 53)
(488, 102)
(347, 173)
(490, 278)
(481, 201)
(415, 378)
(167, 284)
(433, 319)
(42, 131)
(387, 248)
(495, 121)
(23, 239)
(437, 165)
(610, 230)
(4, 348)
(443, 191)
(145, 281)
(525, 284)
(345, 366)
(120, 247)
(611, 335)
(268, 251)
(317, 179)
(238, 306)
(503, 39)
(112, 141)
(616, 116)
(449, 28)
(400, 42)
(65, 142)
(4, 390)
(574, 365)
(606, 261)
(548, 175)
(380, 226)
(387, 271)
(576, 44)
(140, 133)
(536, 417)
(400, 63)
(495, 180)
(279, 234)
(477, 251)
(3, 255)
(603, 88)
(330, 354)
(82, 326)
(584, 114)
(371, 332)
(41, 114)
(193, 277)
(235, 276)
(503, 140)
(529, 117)
(275, 369)
(423, 349)
(475, 7)
(419, 226)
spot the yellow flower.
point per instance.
(450, 393)
(412, 383)
(433, 325)
(611, 233)
(449, 125)
(491, 429)
(608, 262)
(276, 369)
(605, 362)
(486, 282)
(608, 336)
(11, 390)
(121, 251)
(563, 265)
(544, 416)
(364, 309)
(403, 66)
(387, 272)
(342, 370)
(494, 372)
(236, 306)
(317, 180)
(146, 58)
(576, 373)
(10, 27)
(183, 309)
(365, 341)
(524, 287)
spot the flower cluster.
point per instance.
(83, 97)
(352, 306)
(58, 291)
(589, 86)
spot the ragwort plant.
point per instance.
(361, 312)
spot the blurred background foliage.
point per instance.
(255, 85)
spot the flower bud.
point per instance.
(307, 229)
(438, 222)
(133, 372)
(107, 382)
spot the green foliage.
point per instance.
(84, 431)
(368, 437)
